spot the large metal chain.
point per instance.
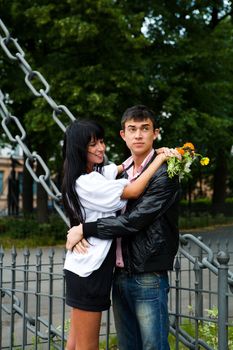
(7, 42)
(32, 159)
(32, 76)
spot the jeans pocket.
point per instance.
(148, 280)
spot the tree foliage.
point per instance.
(102, 56)
(193, 52)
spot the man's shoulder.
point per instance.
(161, 177)
(162, 171)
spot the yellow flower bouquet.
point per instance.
(182, 167)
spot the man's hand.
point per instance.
(74, 235)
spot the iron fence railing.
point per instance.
(33, 314)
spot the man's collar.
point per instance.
(128, 163)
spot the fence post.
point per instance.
(200, 283)
(26, 255)
(38, 295)
(51, 266)
(13, 281)
(177, 299)
(223, 259)
(196, 269)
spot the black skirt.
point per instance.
(92, 293)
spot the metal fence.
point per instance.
(33, 314)
(201, 307)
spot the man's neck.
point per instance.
(138, 159)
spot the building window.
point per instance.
(1, 182)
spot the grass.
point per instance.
(27, 232)
(207, 332)
(23, 232)
(204, 220)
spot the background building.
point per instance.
(11, 177)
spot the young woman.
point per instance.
(90, 191)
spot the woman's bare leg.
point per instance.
(87, 324)
(84, 330)
(71, 341)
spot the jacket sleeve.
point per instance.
(156, 199)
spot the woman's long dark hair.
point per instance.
(76, 140)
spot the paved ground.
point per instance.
(217, 238)
(214, 233)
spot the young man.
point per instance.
(149, 242)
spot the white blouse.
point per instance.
(100, 195)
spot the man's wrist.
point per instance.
(89, 229)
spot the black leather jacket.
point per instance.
(149, 227)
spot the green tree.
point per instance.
(105, 55)
(191, 79)
(90, 52)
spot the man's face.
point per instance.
(139, 136)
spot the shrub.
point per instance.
(20, 231)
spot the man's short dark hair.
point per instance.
(138, 113)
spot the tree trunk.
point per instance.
(42, 201)
(42, 196)
(27, 191)
(214, 19)
(219, 184)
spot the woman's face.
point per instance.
(95, 153)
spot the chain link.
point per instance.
(8, 120)
(30, 76)
(5, 42)
(5, 30)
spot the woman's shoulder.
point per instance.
(109, 172)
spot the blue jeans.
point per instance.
(141, 311)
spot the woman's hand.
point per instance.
(81, 247)
(74, 235)
(168, 152)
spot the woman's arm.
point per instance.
(165, 150)
(134, 189)
(161, 194)
(120, 169)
